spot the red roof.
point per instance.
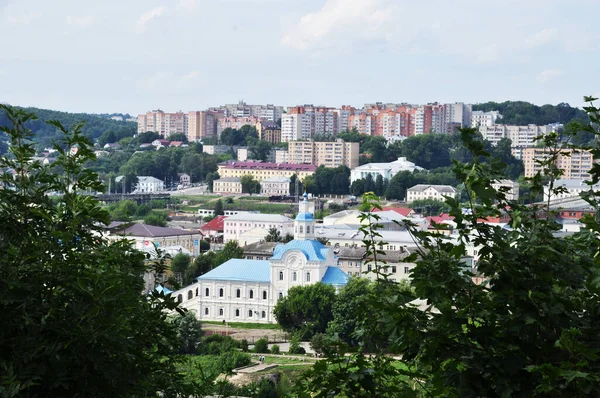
(267, 166)
(403, 211)
(216, 224)
(176, 143)
(439, 219)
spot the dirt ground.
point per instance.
(251, 335)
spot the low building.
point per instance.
(145, 237)
(512, 186)
(185, 179)
(227, 185)
(423, 191)
(268, 131)
(148, 184)
(355, 262)
(386, 170)
(275, 186)
(239, 224)
(281, 156)
(242, 154)
(214, 227)
(387, 220)
(263, 170)
(570, 187)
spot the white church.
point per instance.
(242, 290)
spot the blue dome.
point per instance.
(304, 217)
(305, 196)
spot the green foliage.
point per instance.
(180, 263)
(156, 218)
(275, 349)
(347, 308)
(75, 321)
(328, 180)
(244, 345)
(219, 208)
(523, 113)
(239, 137)
(178, 137)
(261, 346)
(210, 178)
(230, 250)
(273, 236)
(249, 184)
(429, 207)
(320, 344)
(189, 332)
(306, 309)
(260, 150)
(122, 210)
(295, 347)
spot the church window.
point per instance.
(393, 269)
(369, 267)
(301, 229)
(308, 229)
(196, 292)
(280, 275)
(238, 293)
(251, 293)
(190, 295)
(207, 292)
(220, 311)
(294, 276)
(249, 313)
(264, 294)
(237, 312)
(180, 298)
(263, 314)
(221, 293)
(206, 311)
(308, 276)
(280, 295)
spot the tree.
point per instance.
(260, 150)
(189, 332)
(249, 184)
(178, 137)
(219, 208)
(75, 321)
(210, 178)
(306, 309)
(429, 207)
(347, 309)
(261, 346)
(180, 263)
(273, 236)
(229, 251)
(156, 218)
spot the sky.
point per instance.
(131, 56)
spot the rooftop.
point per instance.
(259, 217)
(229, 179)
(313, 250)
(267, 166)
(335, 276)
(240, 270)
(152, 231)
(216, 224)
(439, 188)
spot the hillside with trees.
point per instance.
(523, 113)
(94, 127)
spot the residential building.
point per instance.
(575, 164)
(242, 154)
(184, 179)
(163, 123)
(239, 224)
(457, 114)
(160, 143)
(388, 220)
(201, 124)
(281, 156)
(341, 235)
(512, 186)
(323, 153)
(146, 237)
(241, 109)
(218, 149)
(263, 170)
(487, 119)
(295, 125)
(268, 131)
(355, 262)
(275, 186)
(148, 184)
(386, 170)
(227, 185)
(520, 136)
(245, 290)
(423, 191)
(214, 227)
(234, 122)
(571, 188)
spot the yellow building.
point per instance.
(263, 170)
(575, 164)
(328, 154)
(268, 131)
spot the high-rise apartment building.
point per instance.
(241, 109)
(457, 115)
(235, 122)
(163, 123)
(201, 124)
(520, 136)
(575, 164)
(328, 154)
(487, 119)
(295, 125)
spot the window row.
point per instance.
(251, 313)
(295, 276)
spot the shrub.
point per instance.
(295, 347)
(275, 349)
(261, 346)
(244, 345)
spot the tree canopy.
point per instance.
(523, 113)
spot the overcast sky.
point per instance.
(136, 55)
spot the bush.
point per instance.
(244, 345)
(295, 347)
(319, 343)
(215, 344)
(275, 349)
(261, 346)
(233, 359)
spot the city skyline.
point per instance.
(189, 55)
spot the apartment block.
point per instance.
(227, 185)
(575, 164)
(487, 119)
(328, 154)
(263, 170)
(201, 124)
(235, 122)
(268, 131)
(281, 156)
(520, 136)
(163, 123)
(295, 125)
(268, 112)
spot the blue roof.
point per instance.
(164, 290)
(335, 276)
(240, 270)
(312, 249)
(304, 217)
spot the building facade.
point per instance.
(237, 225)
(512, 187)
(201, 124)
(422, 191)
(227, 185)
(520, 136)
(263, 170)
(386, 170)
(148, 184)
(268, 131)
(275, 186)
(322, 153)
(145, 237)
(575, 164)
(163, 123)
(487, 119)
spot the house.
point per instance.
(100, 153)
(244, 290)
(145, 237)
(512, 187)
(403, 211)
(227, 185)
(160, 143)
(214, 227)
(114, 146)
(386, 170)
(423, 191)
(148, 184)
(176, 144)
(239, 224)
(570, 187)
(388, 220)
(185, 179)
(275, 186)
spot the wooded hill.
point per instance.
(523, 113)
